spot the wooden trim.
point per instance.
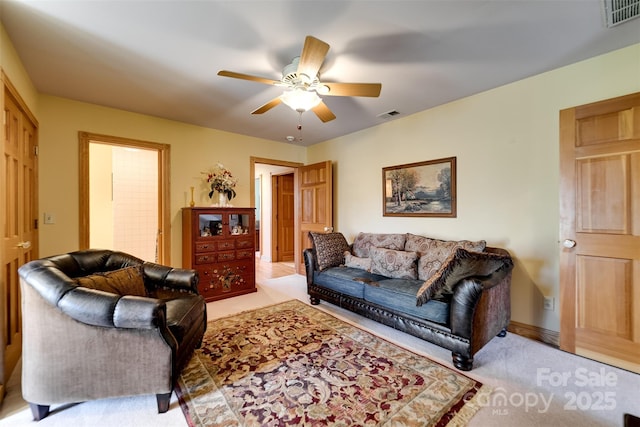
(14, 92)
(164, 187)
(535, 333)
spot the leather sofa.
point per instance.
(82, 343)
(476, 308)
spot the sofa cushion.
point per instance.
(364, 241)
(399, 295)
(330, 248)
(462, 264)
(125, 281)
(347, 280)
(394, 264)
(357, 262)
(433, 252)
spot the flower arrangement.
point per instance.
(221, 180)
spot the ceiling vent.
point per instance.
(388, 114)
(618, 11)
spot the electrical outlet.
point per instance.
(548, 303)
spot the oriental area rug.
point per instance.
(291, 364)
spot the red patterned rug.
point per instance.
(291, 364)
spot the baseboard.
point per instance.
(535, 333)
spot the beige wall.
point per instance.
(193, 149)
(13, 68)
(506, 144)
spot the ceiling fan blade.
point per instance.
(323, 112)
(268, 106)
(353, 89)
(235, 75)
(312, 56)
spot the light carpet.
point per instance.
(522, 373)
(290, 364)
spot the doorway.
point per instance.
(124, 196)
(275, 210)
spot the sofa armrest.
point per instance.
(309, 264)
(158, 276)
(481, 307)
(463, 305)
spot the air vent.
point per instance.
(388, 114)
(618, 11)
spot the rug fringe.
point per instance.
(471, 407)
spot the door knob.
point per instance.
(568, 243)
(24, 245)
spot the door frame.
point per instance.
(297, 256)
(164, 193)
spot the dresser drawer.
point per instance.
(206, 258)
(244, 243)
(205, 246)
(226, 256)
(225, 245)
(245, 253)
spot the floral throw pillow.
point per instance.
(357, 262)
(364, 241)
(329, 248)
(394, 264)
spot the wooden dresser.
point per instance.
(220, 244)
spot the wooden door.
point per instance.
(316, 205)
(20, 214)
(284, 218)
(600, 231)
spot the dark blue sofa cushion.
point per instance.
(347, 280)
(400, 295)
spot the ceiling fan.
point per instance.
(302, 83)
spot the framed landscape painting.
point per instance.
(420, 189)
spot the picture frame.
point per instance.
(421, 189)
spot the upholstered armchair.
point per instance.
(100, 324)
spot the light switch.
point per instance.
(49, 218)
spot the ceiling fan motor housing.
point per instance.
(290, 76)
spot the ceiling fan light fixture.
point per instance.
(300, 100)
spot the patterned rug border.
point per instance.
(459, 414)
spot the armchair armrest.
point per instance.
(98, 308)
(158, 276)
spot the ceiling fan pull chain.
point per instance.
(300, 126)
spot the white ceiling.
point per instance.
(161, 57)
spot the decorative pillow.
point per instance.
(330, 248)
(394, 264)
(433, 252)
(357, 262)
(365, 241)
(125, 281)
(462, 264)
